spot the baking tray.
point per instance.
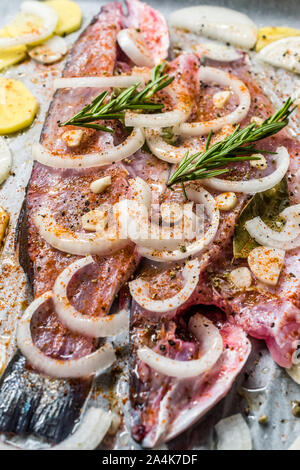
(263, 387)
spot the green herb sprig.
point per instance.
(114, 108)
(233, 148)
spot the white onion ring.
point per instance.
(94, 363)
(211, 74)
(132, 43)
(256, 185)
(201, 197)
(90, 432)
(139, 290)
(76, 243)
(49, 17)
(95, 327)
(118, 81)
(180, 112)
(206, 332)
(161, 149)
(265, 236)
(111, 155)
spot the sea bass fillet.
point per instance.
(32, 403)
(266, 313)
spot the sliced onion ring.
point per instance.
(111, 155)
(94, 363)
(206, 332)
(256, 185)
(95, 327)
(118, 81)
(139, 290)
(76, 243)
(180, 113)
(201, 197)
(49, 17)
(211, 74)
(141, 191)
(263, 235)
(161, 149)
(132, 43)
(90, 432)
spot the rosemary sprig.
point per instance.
(115, 106)
(233, 148)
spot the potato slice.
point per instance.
(24, 24)
(11, 56)
(18, 106)
(273, 33)
(69, 16)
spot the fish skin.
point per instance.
(39, 406)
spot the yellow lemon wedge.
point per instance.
(69, 16)
(270, 34)
(18, 106)
(11, 56)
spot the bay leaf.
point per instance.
(267, 205)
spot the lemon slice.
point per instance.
(270, 34)
(18, 106)
(69, 16)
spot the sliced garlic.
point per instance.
(4, 219)
(221, 98)
(94, 221)
(257, 120)
(266, 264)
(100, 185)
(226, 201)
(73, 137)
(50, 51)
(241, 278)
(260, 164)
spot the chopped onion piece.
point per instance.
(49, 17)
(256, 185)
(201, 197)
(282, 53)
(118, 81)
(94, 363)
(180, 113)
(132, 43)
(90, 432)
(224, 24)
(295, 445)
(5, 160)
(95, 327)
(233, 434)
(287, 239)
(139, 290)
(211, 74)
(77, 243)
(216, 51)
(206, 332)
(111, 155)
